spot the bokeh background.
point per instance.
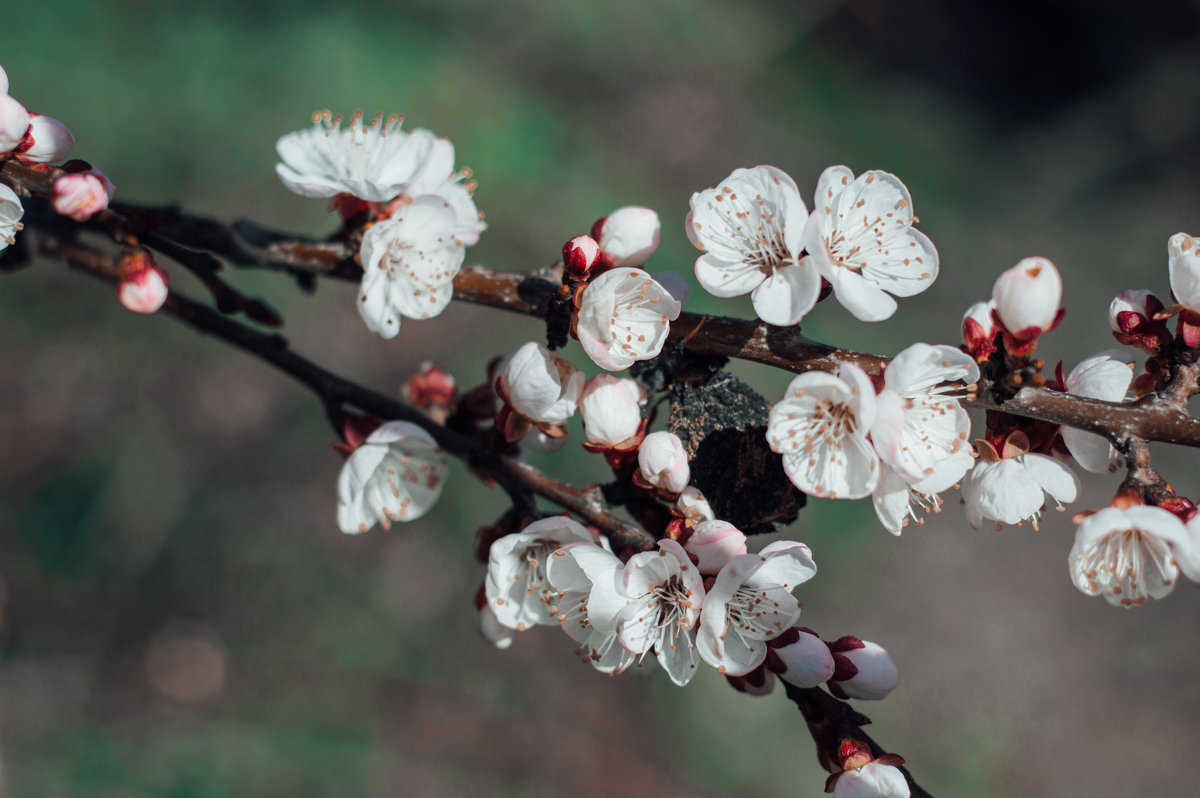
(180, 615)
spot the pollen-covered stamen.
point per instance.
(1116, 564)
(672, 602)
(754, 615)
(535, 570)
(832, 421)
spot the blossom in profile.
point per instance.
(1104, 376)
(409, 264)
(1130, 553)
(749, 228)
(374, 160)
(612, 410)
(713, 543)
(1009, 483)
(541, 385)
(585, 600)
(1028, 300)
(801, 658)
(623, 317)
(862, 670)
(663, 463)
(11, 211)
(750, 603)
(396, 474)
(47, 140)
(861, 239)
(627, 237)
(821, 428)
(516, 586)
(82, 194)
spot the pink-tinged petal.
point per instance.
(48, 140)
(714, 543)
(784, 298)
(1184, 266)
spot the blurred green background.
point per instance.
(181, 616)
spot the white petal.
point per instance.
(788, 295)
(1054, 477)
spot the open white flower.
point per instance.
(586, 602)
(1129, 555)
(750, 228)
(918, 430)
(861, 240)
(11, 211)
(1104, 376)
(751, 602)
(516, 586)
(624, 316)
(397, 474)
(820, 427)
(541, 385)
(373, 160)
(659, 595)
(1011, 489)
(409, 264)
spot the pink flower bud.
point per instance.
(862, 669)
(662, 462)
(715, 543)
(1027, 297)
(580, 254)
(81, 195)
(433, 385)
(143, 286)
(46, 140)
(693, 506)
(611, 408)
(801, 658)
(628, 236)
(14, 121)
(979, 330)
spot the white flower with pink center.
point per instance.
(1104, 376)
(541, 385)
(750, 228)
(1129, 555)
(516, 586)
(820, 427)
(751, 602)
(409, 265)
(396, 474)
(623, 317)
(11, 211)
(861, 239)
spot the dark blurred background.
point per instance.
(180, 615)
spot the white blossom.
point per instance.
(624, 316)
(541, 385)
(749, 228)
(409, 264)
(1010, 490)
(872, 780)
(820, 427)
(1104, 376)
(663, 463)
(1129, 555)
(628, 236)
(751, 602)
(397, 474)
(1028, 297)
(11, 211)
(861, 240)
(1184, 266)
(516, 586)
(587, 602)
(611, 408)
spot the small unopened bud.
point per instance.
(431, 386)
(715, 543)
(1132, 317)
(628, 236)
(1027, 297)
(862, 670)
(14, 121)
(81, 195)
(580, 254)
(663, 463)
(46, 140)
(801, 658)
(143, 286)
(979, 330)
